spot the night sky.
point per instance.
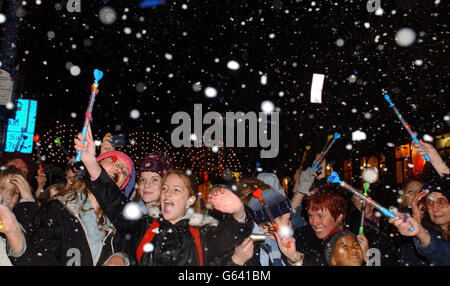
(152, 57)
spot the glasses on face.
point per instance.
(441, 203)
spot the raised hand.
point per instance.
(22, 185)
(416, 207)
(404, 226)
(88, 155)
(11, 228)
(306, 181)
(226, 201)
(8, 220)
(290, 252)
(88, 147)
(41, 180)
(364, 246)
(435, 159)
(106, 143)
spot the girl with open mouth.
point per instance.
(175, 236)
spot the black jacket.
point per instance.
(56, 237)
(24, 212)
(173, 245)
(307, 243)
(226, 259)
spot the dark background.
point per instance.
(304, 43)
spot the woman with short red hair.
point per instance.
(326, 213)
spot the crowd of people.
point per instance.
(81, 217)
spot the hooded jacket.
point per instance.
(173, 244)
(272, 180)
(58, 237)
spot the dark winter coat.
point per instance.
(24, 212)
(56, 237)
(307, 243)
(174, 245)
(408, 254)
(437, 252)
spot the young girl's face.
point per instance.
(149, 186)
(175, 198)
(347, 252)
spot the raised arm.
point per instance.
(11, 229)
(436, 161)
(108, 195)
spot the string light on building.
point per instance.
(56, 152)
(141, 143)
(204, 159)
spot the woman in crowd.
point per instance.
(431, 228)
(72, 230)
(16, 195)
(151, 171)
(326, 213)
(410, 202)
(431, 240)
(13, 187)
(175, 243)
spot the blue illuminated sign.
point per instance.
(20, 132)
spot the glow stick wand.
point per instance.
(334, 178)
(88, 116)
(258, 194)
(303, 159)
(363, 210)
(405, 124)
(316, 163)
(36, 139)
(58, 143)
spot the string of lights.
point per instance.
(57, 143)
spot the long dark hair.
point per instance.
(428, 223)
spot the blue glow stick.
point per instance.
(405, 124)
(334, 178)
(150, 3)
(88, 116)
